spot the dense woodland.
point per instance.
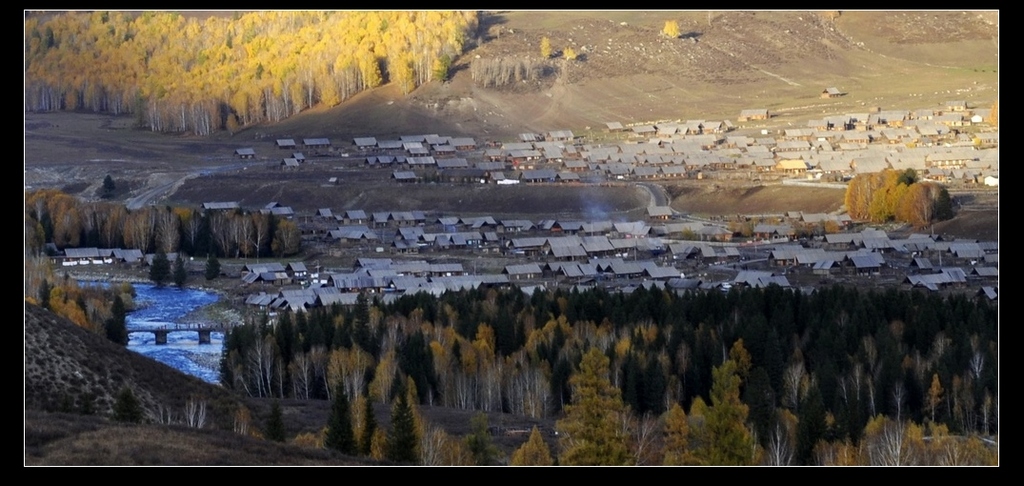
(793, 378)
(179, 74)
(69, 222)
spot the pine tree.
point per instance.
(591, 430)
(115, 327)
(44, 294)
(369, 428)
(180, 274)
(534, 452)
(275, 424)
(479, 441)
(402, 440)
(108, 187)
(339, 427)
(811, 428)
(943, 208)
(729, 441)
(127, 408)
(160, 269)
(212, 267)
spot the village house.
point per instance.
(831, 93)
(316, 143)
(753, 114)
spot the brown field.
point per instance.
(712, 198)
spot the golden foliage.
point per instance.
(885, 196)
(591, 431)
(671, 29)
(533, 452)
(310, 440)
(545, 47)
(175, 73)
(677, 437)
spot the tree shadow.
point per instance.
(485, 22)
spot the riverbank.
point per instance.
(226, 312)
(220, 314)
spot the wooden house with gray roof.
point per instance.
(365, 143)
(759, 279)
(436, 140)
(415, 138)
(316, 143)
(442, 150)
(127, 255)
(559, 135)
(831, 92)
(522, 271)
(219, 206)
(644, 130)
(753, 114)
(529, 137)
(538, 175)
(463, 143)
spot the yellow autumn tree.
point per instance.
(591, 430)
(545, 47)
(728, 441)
(534, 452)
(934, 399)
(677, 437)
(671, 29)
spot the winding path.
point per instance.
(166, 187)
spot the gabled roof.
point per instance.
(82, 252)
(355, 214)
(404, 175)
(128, 255)
(523, 269)
(220, 205)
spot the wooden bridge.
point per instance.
(204, 331)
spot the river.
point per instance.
(167, 306)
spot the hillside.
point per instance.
(67, 367)
(721, 64)
(63, 360)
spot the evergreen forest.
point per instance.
(793, 378)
